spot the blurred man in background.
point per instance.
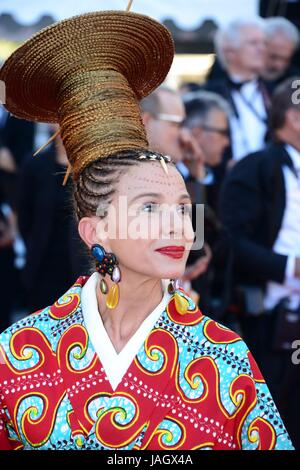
(282, 42)
(241, 49)
(207, 116)
(163, 115)
(260, 206)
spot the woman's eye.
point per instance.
(150, 207)
(185, 209)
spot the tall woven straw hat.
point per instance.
(88, 73)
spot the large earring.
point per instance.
(106, 263)
(181, 303)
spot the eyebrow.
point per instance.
(158, 195)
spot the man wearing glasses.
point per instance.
(207, 117)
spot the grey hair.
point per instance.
(200, 103)
(152, 104)
(231, 35)
(280, 25)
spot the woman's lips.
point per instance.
(176, 252)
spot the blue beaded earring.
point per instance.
(106, 263)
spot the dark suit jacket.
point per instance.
(252, 207)
(18, 136)
(35, 207)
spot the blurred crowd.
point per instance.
(236, 141)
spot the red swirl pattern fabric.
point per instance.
(192, 385)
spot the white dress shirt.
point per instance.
(288, 239)
(248, 129)
(116, 364)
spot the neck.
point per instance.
(289, 138)
(295, 144)
(242, 74)
(138, 298)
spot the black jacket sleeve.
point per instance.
(26, 194)
(244, 213)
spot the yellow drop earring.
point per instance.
(106, 263)
(181, 304)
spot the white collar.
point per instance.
(294, 154)
(238, 79)
(115, 364)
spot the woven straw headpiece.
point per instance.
(87, 73)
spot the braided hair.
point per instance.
(97, 182)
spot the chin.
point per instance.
(169, 268)
(275, 75)
(258, 68)
(172, 273)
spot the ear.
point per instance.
(229, 53)
(146, 117)
(92, 230)
(292, 118)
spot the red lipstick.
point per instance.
(175, 252)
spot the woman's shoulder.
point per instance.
(49, 323)
(23, 331)
(205, 337)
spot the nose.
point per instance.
(174, 223)
(263, 48)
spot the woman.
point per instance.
(123, 360)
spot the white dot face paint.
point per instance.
(149, 221)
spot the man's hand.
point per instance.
(193, 156)
(8, 231)
(7, 162)
(7, 235)
(199, 267)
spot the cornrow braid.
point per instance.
(96, 184)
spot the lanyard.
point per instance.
(250, 106)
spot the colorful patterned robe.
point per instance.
(192, 385)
